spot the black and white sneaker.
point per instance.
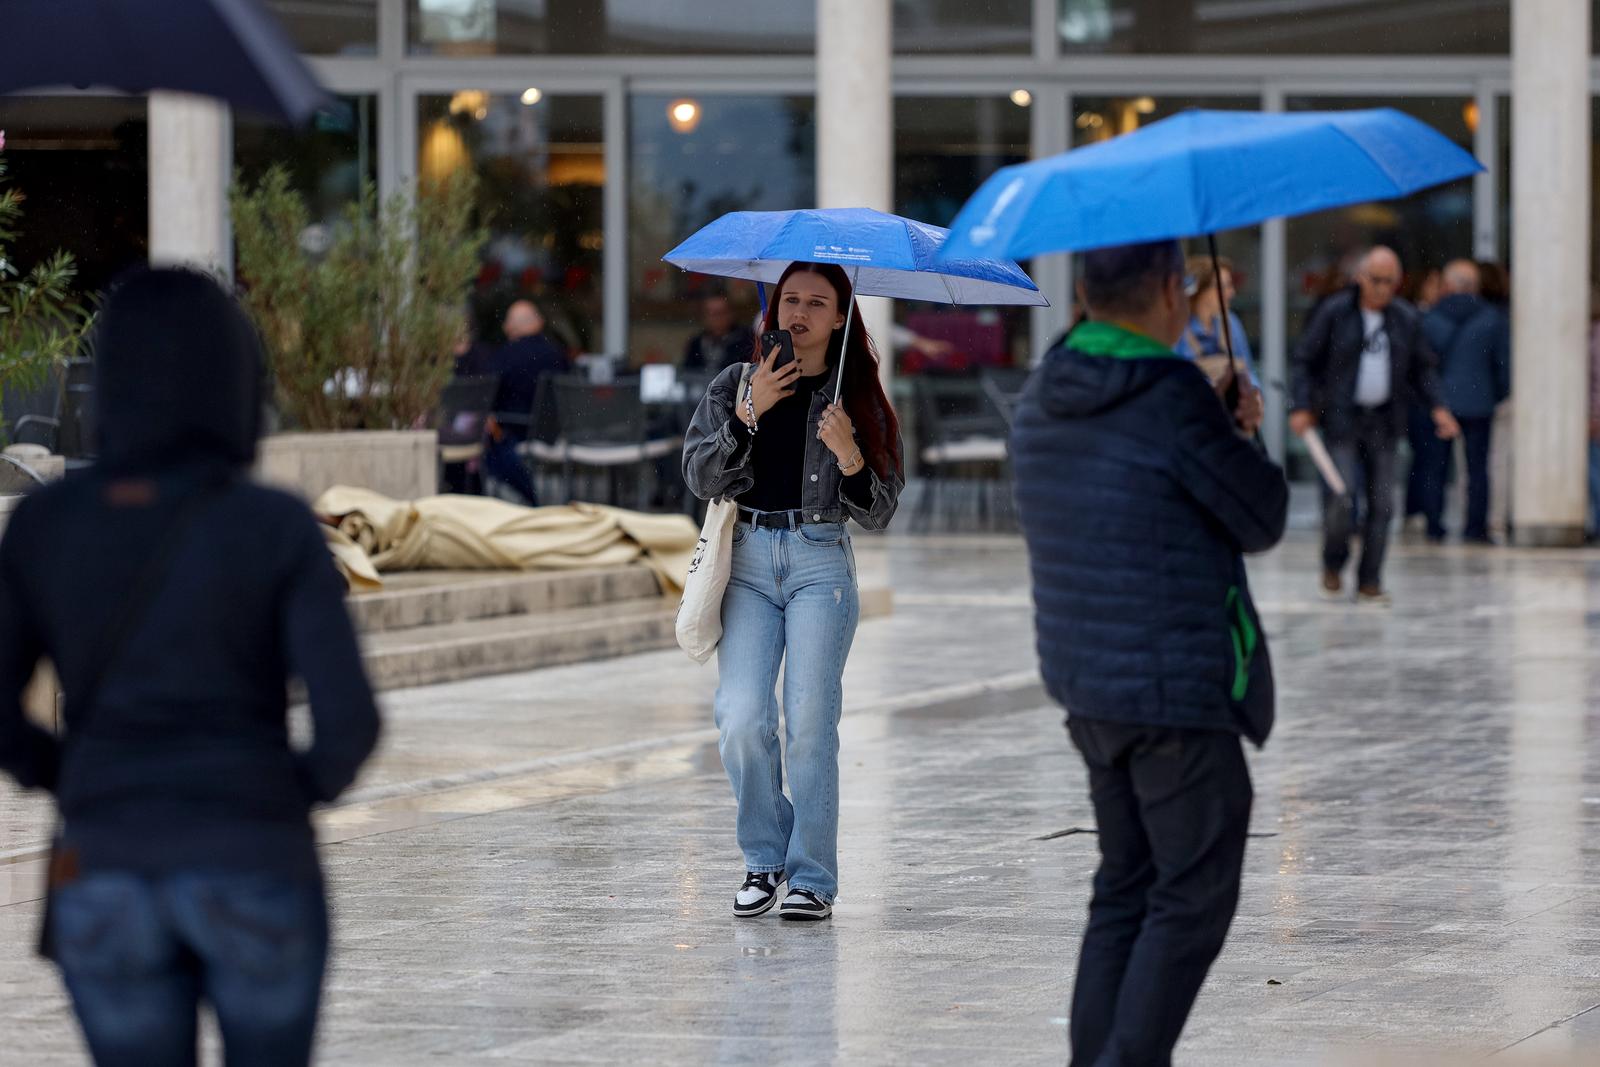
(759, 893)
(805, 906)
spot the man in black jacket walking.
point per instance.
(1138, 492)
(1360, 363)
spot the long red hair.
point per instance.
(877, 427)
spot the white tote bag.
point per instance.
(700, 611)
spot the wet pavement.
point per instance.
(539, 869)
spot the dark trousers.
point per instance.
(1368, 447)
(500, 459)
(1435, 460)
(1173, 808)
(1419, 431)
(139, 955)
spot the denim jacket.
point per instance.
(716, 463)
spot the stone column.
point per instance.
(1550, 258)
(855, 125)
(191, 154)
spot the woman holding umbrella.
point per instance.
(802, 448)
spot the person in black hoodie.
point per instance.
(1138, 493)
(176, 600)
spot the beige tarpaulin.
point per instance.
(374, 534)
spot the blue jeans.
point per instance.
(792, 592)
(139, 954)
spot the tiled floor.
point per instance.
(539, 868)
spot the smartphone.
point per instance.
(784, 342)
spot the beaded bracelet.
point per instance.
(750, 407)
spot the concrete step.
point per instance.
(503, 644)
(437, 598)
(424, 655)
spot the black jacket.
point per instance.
(1137, 498)
(184, 762)
(1327, 362)
(520, 365)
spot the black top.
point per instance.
(778, 459)
(186, 761)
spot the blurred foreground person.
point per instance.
(176, 600)
(1138, 493)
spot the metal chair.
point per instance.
(1003, 386)
(604, 427)
(464, 409)
(32, 416)
(959, 426)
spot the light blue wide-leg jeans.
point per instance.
(791, 600)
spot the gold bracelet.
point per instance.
(851, 462)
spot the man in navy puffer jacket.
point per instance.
(1138, 494)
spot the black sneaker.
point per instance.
(805, 906)
(759, 893)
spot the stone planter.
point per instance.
(402, 464)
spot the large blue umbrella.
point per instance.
(233, 50)
(1199, 172)
(884, 255)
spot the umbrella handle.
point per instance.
(1225, 326)
(761, 290)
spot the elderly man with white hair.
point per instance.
(1359, 364)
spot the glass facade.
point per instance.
(541, 166)
(692, 159)
(608, 27)
(330, 27)
(83, 164)
(327, 163)
(963, 27)
(944, 148)
(1273, 27)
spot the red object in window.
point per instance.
(576, 278)
(489, 273)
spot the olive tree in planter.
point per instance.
(359, 335)
(41, 324)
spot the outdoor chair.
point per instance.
(464, 409)
(603, 427)
(1003, 386)
(77, 431)
(32, 416)
(959, 429)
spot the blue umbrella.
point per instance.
(885, 255)
(229, 49)
(1199, 172)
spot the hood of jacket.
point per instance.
(178, 375)
(1459, 307)
(1100, 366)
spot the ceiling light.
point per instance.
(684, 115)
(531, 97)
(1021, 97)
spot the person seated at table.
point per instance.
(722, 341)
(529, 354)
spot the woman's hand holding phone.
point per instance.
(770, 384)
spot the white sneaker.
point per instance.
(759, 893)
(804, 905)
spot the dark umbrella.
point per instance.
(229, 49)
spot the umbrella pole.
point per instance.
(844, 347)
(1225, 327)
